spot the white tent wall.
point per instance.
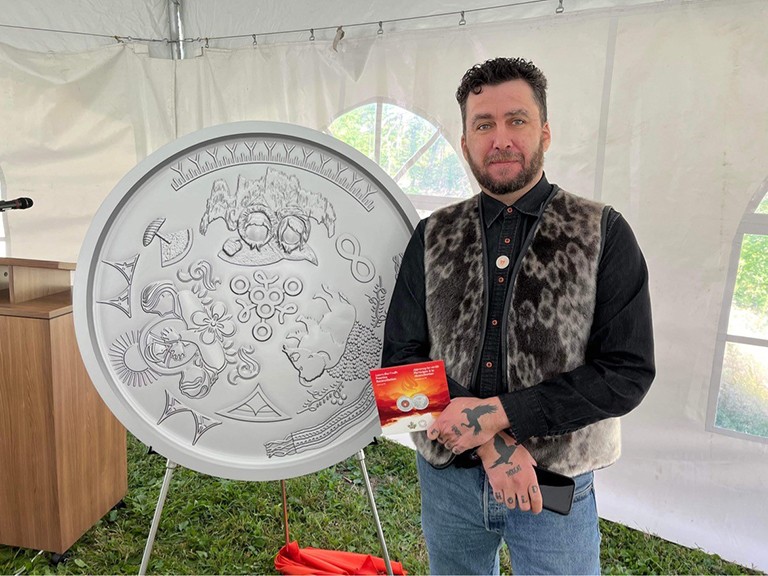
(658, 110)
(72, 125)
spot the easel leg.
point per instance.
(372, 502)
(169, 468)
(285, 512)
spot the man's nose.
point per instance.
(502, 138)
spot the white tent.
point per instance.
(657, 107)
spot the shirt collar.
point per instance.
(529, 204)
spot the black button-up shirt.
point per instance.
(619, 365)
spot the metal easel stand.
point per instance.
(374, 511)
(170, 467)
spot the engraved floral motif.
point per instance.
(213, 323)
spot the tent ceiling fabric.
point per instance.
(207, 19)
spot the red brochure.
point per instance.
(410, 397)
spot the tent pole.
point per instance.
(372, 502)
(177, 30)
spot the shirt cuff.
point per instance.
(526, 418)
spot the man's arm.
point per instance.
(619, 366)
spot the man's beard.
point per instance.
(528, 172)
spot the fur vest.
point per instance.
(549, 310)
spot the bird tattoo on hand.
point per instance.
(473, 416)
(505, 452)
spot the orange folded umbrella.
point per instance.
(294, 560)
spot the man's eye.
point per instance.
(518, 121)
(483, 126)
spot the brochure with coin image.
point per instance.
(410, 397)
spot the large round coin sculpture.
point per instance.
(230, 298)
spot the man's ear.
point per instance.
(546, 136)
(464, 147)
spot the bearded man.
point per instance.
(537, 301)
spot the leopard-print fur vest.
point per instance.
(550, 306)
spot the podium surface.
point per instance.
(63, 462)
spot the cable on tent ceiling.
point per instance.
(128, 39)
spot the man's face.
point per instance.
(504, 140)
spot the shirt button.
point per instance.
(501, 279)
(495, 322)
(502, 262)
(489, 364)
(507, 240)
(510, 210)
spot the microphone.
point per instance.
(17, 204)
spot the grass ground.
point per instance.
(217, 526)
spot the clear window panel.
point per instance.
(749, 309)
(402, 134)
(358, 129)
(763, 207)
(437, 172)
(742, 404)
(3, 248)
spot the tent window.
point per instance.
(739, 398)
(411, 150)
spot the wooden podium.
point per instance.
(63, 461)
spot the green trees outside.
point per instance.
(410, 149)
(751, 290)
(742, 404)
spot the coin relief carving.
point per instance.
(237, 284)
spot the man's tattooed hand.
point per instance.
(509, 468)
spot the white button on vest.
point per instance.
(502, 262)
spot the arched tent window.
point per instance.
(739, 395)
(410, 148)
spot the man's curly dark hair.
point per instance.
(500, 70)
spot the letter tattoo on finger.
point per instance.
(456, 430)
(534, 489)
(510, 500)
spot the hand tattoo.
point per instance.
(511, 500)
(523, 500)
(456, 430)
(505, 452)
(473, 416)
(534, 489)
(514, 470)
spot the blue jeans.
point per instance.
(464, 527)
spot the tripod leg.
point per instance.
(169, 468)
(372, 502)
